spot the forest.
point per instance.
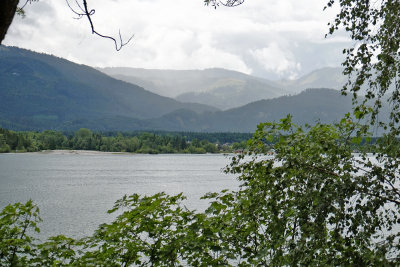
(133, 142)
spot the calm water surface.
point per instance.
(74, 191)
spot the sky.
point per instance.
(273, 39)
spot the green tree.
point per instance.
(83, 139)
(150, 232)
(315, 203)
(51, 140)
(132, 144)
(16, 243)
(374, 59)
(56, 251)
(4, 147)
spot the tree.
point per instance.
(7, 12)
(316, 203)
(16, 221)
(150, 232)
(374, 59)
(83, 139)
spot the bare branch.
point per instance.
(80, 15)
(28, 2)
(88, 13)
(232, 3)
(227, 3)
(20, 10)
(82, 10)
(22, 7)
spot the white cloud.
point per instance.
(184, 34)
(276, 60)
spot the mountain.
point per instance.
(332, 78)
(224, 89)
(221, 88)
(40, 91)
(310, 106)
(231, 93)
(321, 78)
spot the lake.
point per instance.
(75, 190)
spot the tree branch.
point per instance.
(232, 3)
(27, 2)
(88, 13)
(227, 3)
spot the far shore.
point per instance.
(92, 152)
(76, 152)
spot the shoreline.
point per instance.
(95, 152)
(74, 151)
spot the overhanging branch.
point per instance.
(227, 3)
(84, 11)
(232, 3)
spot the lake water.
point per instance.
(74, 191)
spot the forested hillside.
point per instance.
(310, 106)
(43, 92)
(39, 91)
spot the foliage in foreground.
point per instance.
(314, 204)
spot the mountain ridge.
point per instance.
(222, 88)
(38, 87)
(200, 86)
(310, 106)
(40, 92)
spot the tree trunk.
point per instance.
(7, 12)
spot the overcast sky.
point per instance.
(268, 38)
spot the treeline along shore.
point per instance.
(134, 142)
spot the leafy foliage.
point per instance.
(374, 59)
(16, 223)
(314, 203)
(151, 231)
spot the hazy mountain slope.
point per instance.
(218, 87)
(172, 83)
(45, 91)
(231, 93)
(320, 78)
(224, 88)
(325, 105)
